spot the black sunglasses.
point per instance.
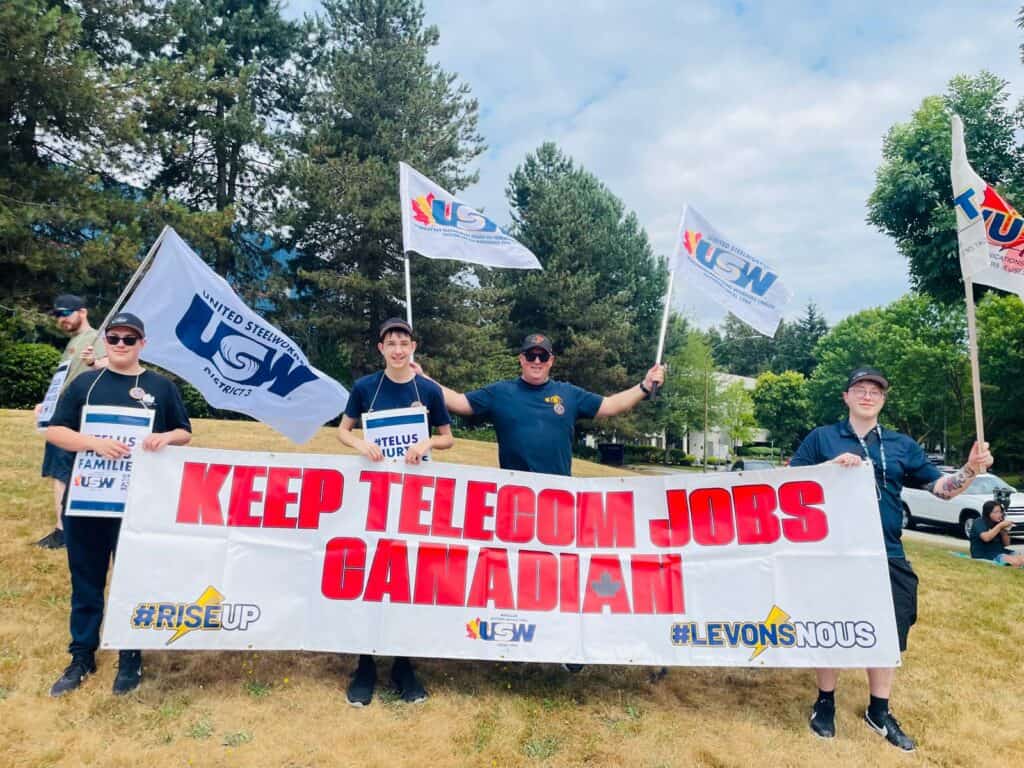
(63, 312)
(533, 357)
(113, 340)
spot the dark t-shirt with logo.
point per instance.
(385, 394)
(534, 423)
(985, 550)
(113, 389)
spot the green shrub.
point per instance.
(25, 373)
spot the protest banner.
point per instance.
(52, 395)
(396, 430)
(202, 331)
(230, 550)
(99, 486)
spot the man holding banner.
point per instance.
(82, 352)
(398, 408)
(92, 540)
(897, 461)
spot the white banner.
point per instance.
(990, 232)
(740, 282)
(437, 225)
(52, 395)
(99, 486)
(332, 553)
(198, 328)
(396, 430)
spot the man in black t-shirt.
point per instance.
(91, 541)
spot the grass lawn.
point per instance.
(960, 692)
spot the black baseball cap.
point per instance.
(127, 320)
(67, 302)
(867, 374)
(537, 341)
(393, 324)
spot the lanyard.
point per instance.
(380, 383)
(881, 452)
(95, 381)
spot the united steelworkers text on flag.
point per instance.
(740, 282)
(989, 230)
(233, 550)
(198, 328)
(437, 225)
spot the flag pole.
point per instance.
(408, 291)
(664, 328)
(134, 279)
(972, 350)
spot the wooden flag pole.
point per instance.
(132, 282)
(972, 350)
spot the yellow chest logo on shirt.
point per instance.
(557, 402)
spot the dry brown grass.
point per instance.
(959, 694)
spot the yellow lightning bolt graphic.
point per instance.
(473, 629)
(210, 596)
(776, 616)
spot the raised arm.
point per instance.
(953, 485)
(456, 402)
(627, 399)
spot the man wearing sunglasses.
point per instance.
(897, 460)
(83, 351)
(91, 541)
(535, 415)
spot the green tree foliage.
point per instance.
(912, 199)
(25, 373)
(781, 406)
(690, 389)
(795, 341)
(375, 99)
(600, 293)
(741, 350)
(919, 344)
(1001, 352)
(736, 413)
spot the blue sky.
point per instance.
(766, 117)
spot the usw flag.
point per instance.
(437, 225)
(990, 232)
(198, 328)
(718, 267)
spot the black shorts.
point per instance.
(904, 596)
(57, 463)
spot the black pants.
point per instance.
(91, 542)
(904, 596)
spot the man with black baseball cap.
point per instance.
(397, 386)
(535, 415)
(91, 541)
(897, 460)
(83, 351)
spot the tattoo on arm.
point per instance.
(952, 485)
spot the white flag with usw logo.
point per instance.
(718, 267)
(198, 328)
(438, 225)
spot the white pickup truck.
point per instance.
(960, 513)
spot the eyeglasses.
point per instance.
(867, 394)
(63, 312)
(113, 340)
(541, 355)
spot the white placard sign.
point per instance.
(396, 430)
(264, 551)
(99, 486)
(52, 395)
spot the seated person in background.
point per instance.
(990, 536)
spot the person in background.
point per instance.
(990, 536)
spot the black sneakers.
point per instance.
(79, 668)
(53, 540)
(823, 719)
(403, 677)
(886, 725)
(129, 672)
(360, 690)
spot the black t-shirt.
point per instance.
(104, 387)
(985, 550)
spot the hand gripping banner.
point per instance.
(250, 551)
